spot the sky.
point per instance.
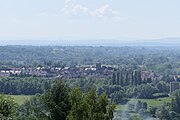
(89, 19)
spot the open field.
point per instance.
(150, 102)
(20, 99)
(153, 102)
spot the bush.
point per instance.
(160, 95)
(145, 91)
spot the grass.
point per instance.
(121, 107)
(20, 99)
(150, 102)
(135, 116)
(153, 102)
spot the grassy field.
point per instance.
(20, 99)
(153, 102)
(150, 102)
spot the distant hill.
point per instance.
(158, 42)
(155, 42)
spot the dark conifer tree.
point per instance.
(121, 79)
(118, 77)
(113, 78)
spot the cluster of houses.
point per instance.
(59, 72)
(96, 71)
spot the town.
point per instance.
(94, 71)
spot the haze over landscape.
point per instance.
(87, 21)
(99, 42)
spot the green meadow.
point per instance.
(20, 99)
(150, 102)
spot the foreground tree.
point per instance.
(89, 106)
(57, 101)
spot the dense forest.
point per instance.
(134, 73)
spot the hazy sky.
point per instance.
(89, 19)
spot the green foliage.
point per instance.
(57, 101)
(176, 93)
(109, 89)
(113, 79)
(175, 103)
(174, 115)
(79, 106)
(145, 91)
(26, 86)
(152, 111)
(7, 107)
(143, 113)
(33, 108)
(162, 87)
(138, 106)
(163, 114)
(89, 106)
(119, 97)
(160, 95)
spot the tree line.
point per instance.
(26, 86)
